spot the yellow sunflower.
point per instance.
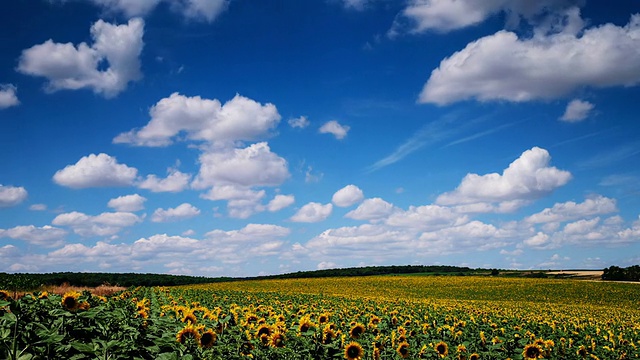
(70, 300)
(277, 339)
(353, 351)
(187, 332)
(264, 330)
(442, 348)
(356, 331)
(532, 351)
(208, 338)
(474, 356)
(43, 295)
(403, 349)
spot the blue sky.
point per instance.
(237, 138)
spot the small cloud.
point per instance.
(577, 110)
(312, 212)
(182, 212)
(38, 207)
(11, 195)
(347, 196)
(334, 128)
(280, 202)
(300, 122)
(310, 177)
(127, 203)
(8, 97)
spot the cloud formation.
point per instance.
(47, 236)
(347, 196)
(175, 181)
(127, 203)
(8, 97)
(334, 128)
(105, 224)
(203, 10)
(70, 67)
(312, 212)
(180, 212)
(12, 195)
(577, 110)
(504, 67)
(99, 170)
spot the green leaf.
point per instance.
(167, 356)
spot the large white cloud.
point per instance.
(206, 10)
(204, 120)
(347, 196)
(99, 170)
(47, 236)
(312, 212)
(12, 195)
(175, 181)
(181, 212)
(242, 201)
(527, 178)
(504, 67)
(8, 97)
(447, 15)
(127, 203)
(254, 165)
(71, 67)
(105, 224)
(570, 210)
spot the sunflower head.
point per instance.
(70, 300)
(208, 338)
(277, 339)
(403, 349)
(353, 351)
(532, 351)
(356, 331)
(442, 348)
(189, 317)
(43, 295)
(474, 356)
(188, 332)
(305, 325)
(264, 330)
(582, 351)
(323, 318)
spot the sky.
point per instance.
(242, 138)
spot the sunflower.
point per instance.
(582, 351)
(187, 332)
(4, 295)
(208, 338)
(305, 325)
(403, 349)
(43, 295)
(70, 300)
(277, 339)
(474, 356)
(328, 334)
(189, 317)
(264, 330)
(532, 351)
(353, 351)
(323, 318)
(356, 331)
(442, 348)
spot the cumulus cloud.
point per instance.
(202, 10)
(8, 97)
(312, 212)
(99, 170)
(347, 196)
(12, 195)
(105, 224)
(175, 181)
(71, 67)
(47, 236)
(253, 240)
(527, 178)
(577, 110)
(503, 67)
(239, 119)
(300, 123)
(242, 201)
(181, 212)
(280, 202)
(254, 165)
(570, 210)
(447, 15)
(372, 209)
(127, 203)
(334, 128)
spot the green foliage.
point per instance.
(631, 273)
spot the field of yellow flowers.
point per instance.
(382, 317)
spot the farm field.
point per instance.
(381, 317)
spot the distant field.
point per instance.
(373, 317)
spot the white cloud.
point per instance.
(38, 207)
(301, 122)
(127, 203)
(372, 209)
(181, 212)
(323, 265)
(334, 128)
(105, 224)
(99, 170)
(447, 15)
(538, 240)
(255, 165)
(527, 178)
(8, 97)
(129, 8)
(280, 202)
(347, 196)
(312, 212)
(12, 195)
(504, 67)
(47, 236)
(356, 4)
(426, 218)
(242, 202)
(561, 212)
(76, 67)
(204, 10)
(203, 120)
(577, 110)
(175, 181)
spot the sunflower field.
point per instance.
(381, 317)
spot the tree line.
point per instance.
(631, 273)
